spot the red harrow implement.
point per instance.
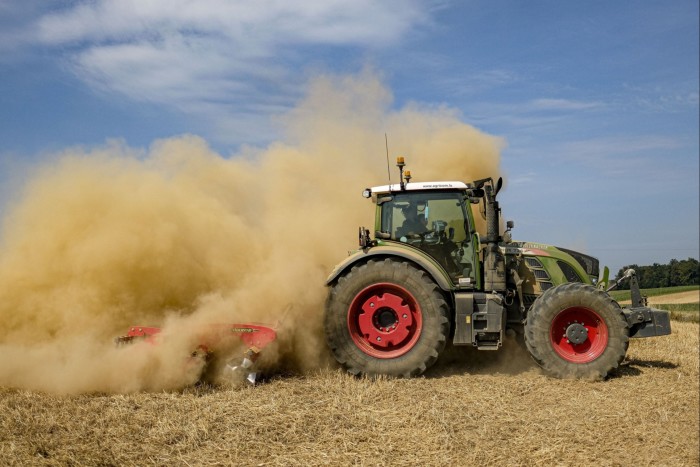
(215, 342)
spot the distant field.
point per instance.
(621, 295)
(683, 302)
(682, 311)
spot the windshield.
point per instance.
(413, 214)
(434, 222)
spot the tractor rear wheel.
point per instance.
(386, 318)
(576, 331)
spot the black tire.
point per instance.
(403, 336)
(576, 331)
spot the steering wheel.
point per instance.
(423, 237)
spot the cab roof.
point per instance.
(418, 186)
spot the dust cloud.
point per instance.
(178, 236)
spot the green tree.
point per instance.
(675, 273)
(689, 272)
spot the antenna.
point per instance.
(388, 170)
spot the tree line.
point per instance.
(683, 272)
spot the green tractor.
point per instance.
(428, 277)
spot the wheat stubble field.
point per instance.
(472, 409)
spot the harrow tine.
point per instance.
(232, 371)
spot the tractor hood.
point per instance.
(561, 264)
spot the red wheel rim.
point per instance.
(586, 326)
(385, 320)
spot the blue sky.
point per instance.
(597, 101)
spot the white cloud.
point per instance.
(603, 148)
(217, 56)
(269, 22)
(648, 158)
(474, 82)
(564, 104)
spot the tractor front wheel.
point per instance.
(576, 331)
(386, 318)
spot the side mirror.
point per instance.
(510, 225)
(364, 239)
(499, 185)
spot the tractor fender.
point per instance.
(413, 255)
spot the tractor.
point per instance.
(427, 277)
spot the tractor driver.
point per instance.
(414, 223)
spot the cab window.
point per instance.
(434, 222)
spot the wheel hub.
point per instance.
(385, 319)
(576, 333)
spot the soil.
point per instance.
(474, 408)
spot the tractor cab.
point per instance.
(433, 220)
